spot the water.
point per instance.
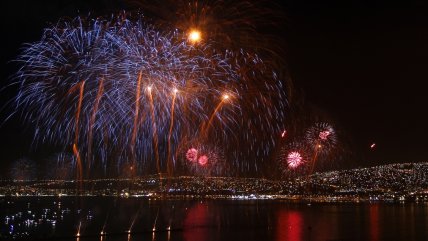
(62, 218)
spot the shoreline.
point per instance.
(298, 199)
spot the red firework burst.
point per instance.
(324, 135)
(192, 155)
(321, 135)
(203, 160)
(294, 159)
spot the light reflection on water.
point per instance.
(289, 226)
(114, 219)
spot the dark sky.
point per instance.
(364, 63)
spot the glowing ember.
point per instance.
(203, 160)
(294, 159)
(284, 133)
(192, 155)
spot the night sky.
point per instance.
(362, 63)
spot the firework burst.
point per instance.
(120, 91)
(293, 159)
(205, 160)
(322, 137)
(192, 155)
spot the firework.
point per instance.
(226, 24)
(322, 137)
(192, 155)
(205, 160)
(120, 91)
(293, 159)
